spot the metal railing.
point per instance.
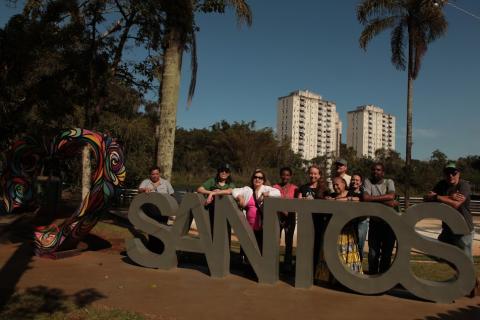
(123, 198)
(474, 204)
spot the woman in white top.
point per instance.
(251, 199)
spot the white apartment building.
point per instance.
(309, 123)
(369, 129)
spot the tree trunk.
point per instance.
(86, 171)
(409, 138)
(169, 92)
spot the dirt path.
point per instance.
(110, 280)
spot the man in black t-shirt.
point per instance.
(454, 192)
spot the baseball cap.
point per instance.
(451, 166)
(341, 161)
(224, 167)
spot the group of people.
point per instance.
(451, 190)
(343, 188)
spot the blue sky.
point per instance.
(313, 45)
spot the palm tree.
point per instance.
(179, 37)
(414, 24)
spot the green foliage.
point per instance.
(62, 67)
(199, 152)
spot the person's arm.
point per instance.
(299, 194)
(455, 200)
(202, 190)
(432, 195)
(206, 187)
(383, 198)
(214, 193)
(143, 187)
(387, 199)
(271, 192)
(241, 200)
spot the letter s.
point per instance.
(135, 248)
(435, 290)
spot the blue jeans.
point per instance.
(463, 242)
(362, 230)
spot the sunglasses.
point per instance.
(258, 177)
(451, 173)
(224, 170)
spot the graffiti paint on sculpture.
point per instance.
(109, 173)
(217, 253)
(25, 160)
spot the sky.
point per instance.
(313, 45)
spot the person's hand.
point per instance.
(329, 198)
(457, 196)
(266, 194)
(148, 190)
(209, 198)
(430, 196)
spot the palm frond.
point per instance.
(194, 67)
(420, 46)
(369, 9)
(375, 27)
(437, 27)
(242, 10)
(397, 46)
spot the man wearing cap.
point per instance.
(220, 184)
(455, 192)
(340, 171)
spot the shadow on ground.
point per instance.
(42, 300)
(466, 313)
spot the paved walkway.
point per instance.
(109, 279)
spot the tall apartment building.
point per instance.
(309, 123)
(370, 128)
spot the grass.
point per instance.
(46, 305)
(109, 230)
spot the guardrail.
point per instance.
(474, 204)
(125, 196)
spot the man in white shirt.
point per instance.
(155, 184)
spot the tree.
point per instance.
(62, 66)
(418, 22)
(179, 36)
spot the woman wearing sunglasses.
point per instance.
(251, 199)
